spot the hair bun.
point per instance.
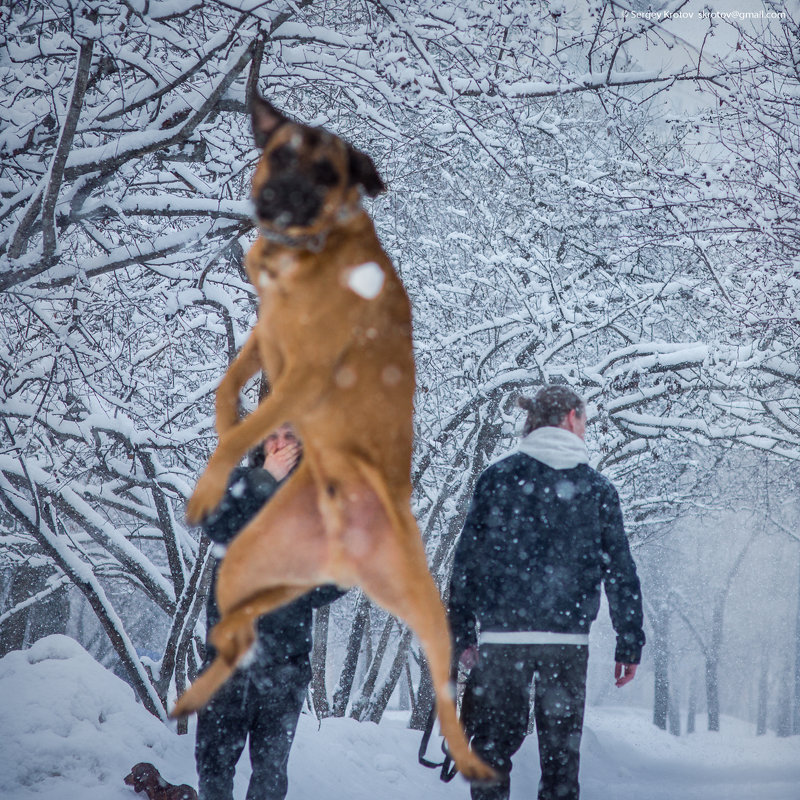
(525, 403)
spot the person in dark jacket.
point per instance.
(543, 533)
(263, 698)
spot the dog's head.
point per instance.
(144, 777)
(306, 176)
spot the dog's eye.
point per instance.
(282, 157)
(325, 173)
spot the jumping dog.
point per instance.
(334, 338)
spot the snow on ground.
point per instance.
(72, 730)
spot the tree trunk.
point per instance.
(691, 712)
(712, 691)
(37, 605)
(174, 557)
(674, 716)
(361, 706)
(85, 580)
(761, 713)
(319, 657)
(341, 695)
(378, 704)
(367, 645)
(187, 612)
(183, 662)
(406, 697)
(425, 697)
(661, 670)
(785, 712)
(712, 656)
(796, 704)
(715, 648)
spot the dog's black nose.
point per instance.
(288, 200)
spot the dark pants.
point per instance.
(495, 711)
(263, 702)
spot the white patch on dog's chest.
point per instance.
(366, 280)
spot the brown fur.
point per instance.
(342, 372)
(146, 778)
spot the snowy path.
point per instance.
(71, 731)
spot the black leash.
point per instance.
(426, 737)
(449, 769)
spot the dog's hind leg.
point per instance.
(233, 637)
(404, 587)
(203, 689)
(385, 546)
(234, 634)
(426, 616)
(276, 558)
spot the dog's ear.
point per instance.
(266, 119)
(362, 171)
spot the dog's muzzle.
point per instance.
(287, 201)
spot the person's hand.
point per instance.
(279, 463)
(624, 673)
(469, 658)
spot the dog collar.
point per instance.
(313, 243)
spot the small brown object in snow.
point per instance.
(146, 778)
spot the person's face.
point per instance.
(278, 440)
(575, 421)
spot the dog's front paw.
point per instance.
(207, 494)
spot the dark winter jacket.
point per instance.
(536, 547)
(286, 632)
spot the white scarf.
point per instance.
(556, 447)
